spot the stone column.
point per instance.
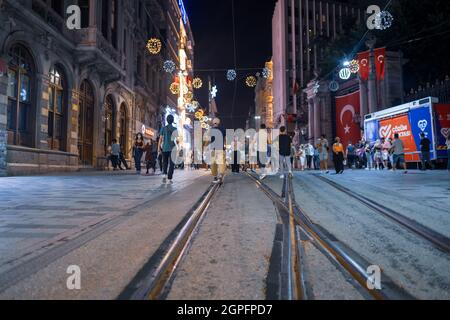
(92, 13)
(310, 119)
(363, 97)
(42, 112)
(372, 87)
(317, 127)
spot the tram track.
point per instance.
(154, 279)
(332, 248)
(438, 240)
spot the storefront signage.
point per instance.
(183, 11)
(148, 132)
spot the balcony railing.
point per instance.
(92, 37)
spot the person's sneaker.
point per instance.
(170, 181)
(216, 180)
(282, 177)
(405, 172)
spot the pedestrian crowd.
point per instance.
(383, 154)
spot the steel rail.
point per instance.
(438, 240)
(155, 284)
(339, 254)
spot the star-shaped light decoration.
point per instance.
(214, 92)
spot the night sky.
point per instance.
(212, 25)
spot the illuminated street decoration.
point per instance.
(383, 20)
(199, 114)
(183, 11)
(175, 88)
(333, 86)
(191, 107)
(345, 73)
(169, 66)
(214, 92)
(205, 119)
(197, 83)
(354, 66)
(231, 75)
(266, 73)
(251, 81)
(154, 45)
(189, 96)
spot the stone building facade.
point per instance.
(65, 94)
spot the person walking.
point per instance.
(351, 155)
(309, 150)
(425, 148)
(115, 153)
(369, 158)
(262, 148)
(316, 158)
(338, 156)
(385, 153)
(285, 147)
(323, 154)
(167, 143)
(302, 157)
(218, 156)
(377, 149)
(138, 152)
(150, 156)
(398, 147)
(236, 157)
(123, 161)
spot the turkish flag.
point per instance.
(364, 66)
(380, 59)
(347, 107)
(364, 63)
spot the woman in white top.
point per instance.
(302, 157)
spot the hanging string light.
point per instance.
(154, 45)
(251, 81)
(189, 96)
(197, 83)
(231, 75)
(175, 88)
(199, 114)
(384, 20)
(354, 66)
(169, 66)
(266, 73)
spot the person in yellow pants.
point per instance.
(218, 159)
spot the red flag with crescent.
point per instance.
(347, 110)
(380, 58)
(364, 66)
(364, 63)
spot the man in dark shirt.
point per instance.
(425, 148)
(285, 144)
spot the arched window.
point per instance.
(56, 110)
(86, 124)
(20, 86)
(123, 127)
(109, 123)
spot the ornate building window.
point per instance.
(56, 110)
(21, 73)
